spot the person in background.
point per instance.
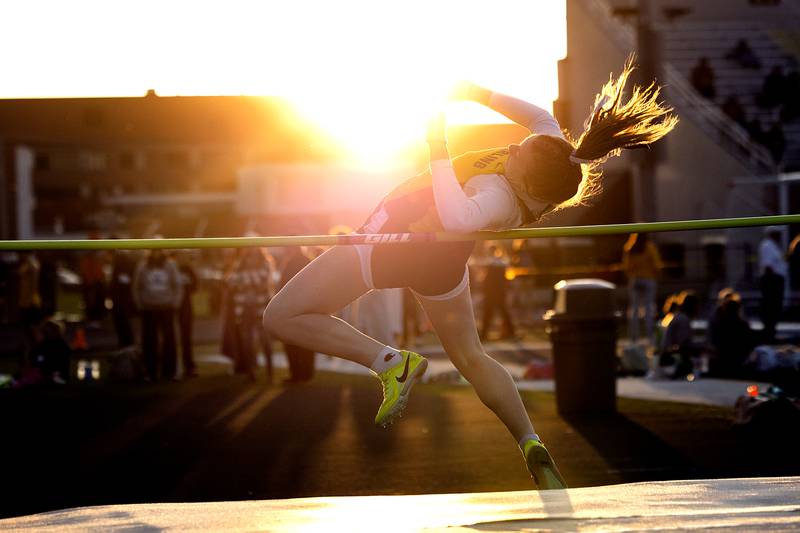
(52, 354)
(730, 338)
(703, 78)
(773, 89)
(642, 265)
(301, 360)
(494, 293)
(186, 314)
(48, 282)
(29, 301)
(93, 282)
(157, 292)
(743, 55)
(735, 110)
(773, 269)
(122, 271)
(249, 287)
(678, 349)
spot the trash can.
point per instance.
(583, 333)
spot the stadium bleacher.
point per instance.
(686, 42)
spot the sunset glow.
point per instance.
(369, 73)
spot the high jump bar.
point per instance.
(396, 238)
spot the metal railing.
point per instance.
(713, 120)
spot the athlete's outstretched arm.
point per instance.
(528, 115)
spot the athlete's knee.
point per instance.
(274, 318)
(468, 362)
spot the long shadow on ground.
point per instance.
(222, 438)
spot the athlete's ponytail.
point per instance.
(614, 124)
(567, 172)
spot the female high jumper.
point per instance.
(493, 189)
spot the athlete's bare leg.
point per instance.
(454, 322)
(300, 313)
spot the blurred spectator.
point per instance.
(757, 134)
(93, 283)
(743, 55)
(773, 270)
(793, 259)
(301, 360)
(703, 78)
(122, 309)
(186, 314)
(28, 300)
(248, 286)
(791, 104)
(8, 287)
(773, 90)
(678, 349)
(729, 335)
(669, 309)
(642, 265)
(52, 355)
(157, 293)
(734, 109)
(775, 141)
(48, 282)
(494, 293)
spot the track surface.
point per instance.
(220, 438)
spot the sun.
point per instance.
(374, 122)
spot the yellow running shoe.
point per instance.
(542, 467)
(397, 382)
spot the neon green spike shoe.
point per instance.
(542, 467)
(397, 383)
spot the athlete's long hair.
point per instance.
(613, 124)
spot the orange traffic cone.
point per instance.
(79, 339)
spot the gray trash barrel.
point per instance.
(583, 333)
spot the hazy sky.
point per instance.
(342, 61)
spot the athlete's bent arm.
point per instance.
(457, 211)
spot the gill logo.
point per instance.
(486, 160)
(387, 237)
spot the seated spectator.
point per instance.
(753, 127)
(734, 109)
(791, 105)
(52, 354)
(743, 55)
(678, 348)
(729, 336)
(669, 309)
(773, 91)
(775, 141)
(702, 77)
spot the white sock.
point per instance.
(386, 359)
(526, 438)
